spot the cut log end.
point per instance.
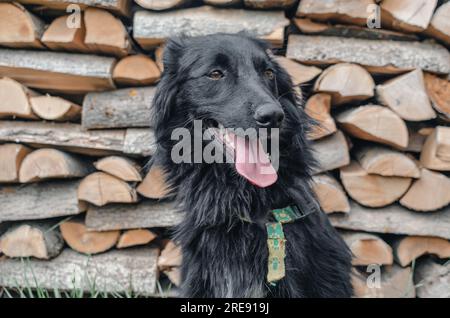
(429, 193)
(368, 249)
(15, 99)
(387, 162)
(11, 157)
(48, 163)
(154, 185)
(410, 248)
(318, 108)
(346, 83)
(55, 108)
(136, 70)
(81, 240)
(120, 167)
(135, 237)
(375, 123)
(372, 190)
(100, 188)
(32, 239)
(330, 194)
(435, 153)
(406, 95)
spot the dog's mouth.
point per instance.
(250, 158)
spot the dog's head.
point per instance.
(227, 80)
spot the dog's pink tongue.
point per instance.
(253, 163)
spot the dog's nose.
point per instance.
(269, 115)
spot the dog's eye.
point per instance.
(215, 75)
(269, 74)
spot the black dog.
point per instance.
(233, 80)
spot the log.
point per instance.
(374, 123)
(429, 193)
(368, 249)
(151, 29)
(409, 248)
(350, 12)
(435, 154)
(136, 70)
(11, 157)
(439, 27)
(81, 240)
(135, 237)
(58, 72)
(120, 7)
(60, 37)
(71, 137)
(383, 56)
(372, 190)
(432, 279)
(159, 5)
(106, 34)
(331, 195)
(407, 15)
(123, 168)
(119, 271)
(171, 256)
(127, 107)
(48, 163)
(55, 108)
(146, 214)
(269, 4)
(15, 99)
(346, 83)
(406, 95)
(40, 239)
(396, 282)
(331, 152)
(154, 185)
(299, 73)
(40, 201)
(19, 28)
(100, 188)
(307, 26)
(387, 162)
(393, 219)
(318, 108)
(439, 93)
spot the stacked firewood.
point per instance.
(79, 201)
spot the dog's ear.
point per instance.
(167, 87)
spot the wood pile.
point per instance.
(77, 196)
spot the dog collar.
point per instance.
(276, 240)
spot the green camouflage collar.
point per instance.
(276, 240)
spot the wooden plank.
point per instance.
(123, 216)
(58, 72)
(129, 270)
(120, 7)
(71, 137)
(394, 219)
(128, 107)
(39, 201)
(331, 152)
(383, 56)
(151, 29)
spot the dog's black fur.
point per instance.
(223, 255)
